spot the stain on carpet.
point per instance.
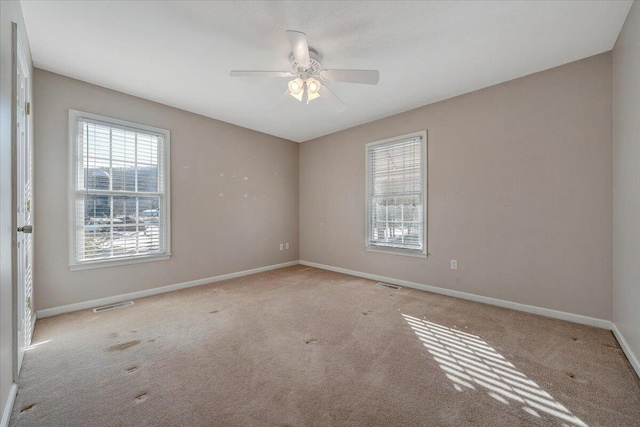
(132, 369)
(123, 346)
(141, 397)
(214, 311)
(27, 408)
(613, 347)
(310, 340)
(113, 335)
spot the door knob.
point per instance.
(26, 229)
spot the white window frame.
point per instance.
(423, 164)
(75, 229)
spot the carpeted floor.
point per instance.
(302, 346)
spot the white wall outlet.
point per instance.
(281, 246)
(454, 264)
(286, 245)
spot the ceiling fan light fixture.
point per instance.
(297, 96)
(312, 85)
(304, 65)
(312, 96)
(313, 89)
(296, 88)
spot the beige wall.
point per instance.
(520, 192)
(211, 235)
(626, 190)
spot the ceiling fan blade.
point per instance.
(326, 93)
(252, 73)
(367, 77)
(280, 102)
(299, 47)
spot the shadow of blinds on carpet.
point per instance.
(469, 361)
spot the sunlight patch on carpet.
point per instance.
(36, 345)
(467, 361)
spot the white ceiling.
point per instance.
(180, 53)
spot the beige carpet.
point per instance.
(302, 346)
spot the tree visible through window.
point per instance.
(120, 190)
(396, 191)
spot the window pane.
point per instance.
(116, 226)
(396, 195)
(119, 192)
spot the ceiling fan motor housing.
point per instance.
(314, 65)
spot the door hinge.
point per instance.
(27, 108)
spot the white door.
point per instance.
(24, 205)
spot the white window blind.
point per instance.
(396, 195)
(119, 195)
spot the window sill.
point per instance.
(88, 265)
(395, 251)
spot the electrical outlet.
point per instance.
(286, 245)
(281, 246)
(454, 264)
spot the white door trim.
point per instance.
(14, 197)
(8, 407)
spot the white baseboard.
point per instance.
(8, 407)
(571, 317)
(148, 292)
(633, 360)
(576, 318)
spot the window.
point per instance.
(396, 195)
(119, 192)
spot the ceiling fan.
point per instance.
(306, 74)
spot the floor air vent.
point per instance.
(112, 306)
(388, 285)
